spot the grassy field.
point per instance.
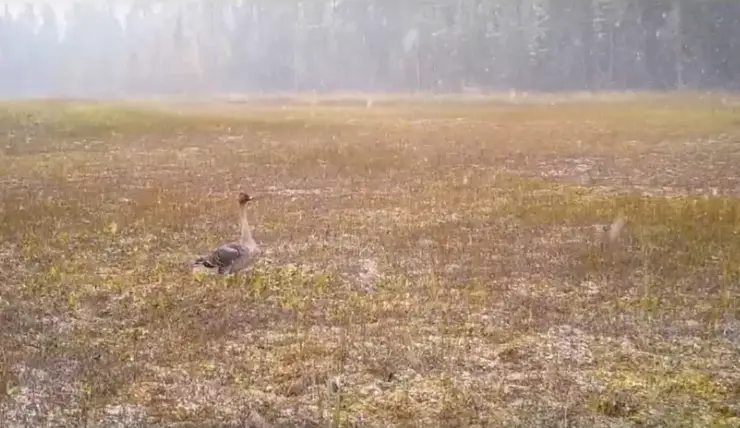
(428, 262)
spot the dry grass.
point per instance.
(429, 263)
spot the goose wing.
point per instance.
(224, 256)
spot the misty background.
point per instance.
(115, 48)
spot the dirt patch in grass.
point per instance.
(427, 262)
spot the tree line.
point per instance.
(97, 48)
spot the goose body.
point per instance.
(229, 258)
(234, 256)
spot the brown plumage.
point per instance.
(234, 256)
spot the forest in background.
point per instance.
(99, 48)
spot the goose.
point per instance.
(235, 256)
(609, 234)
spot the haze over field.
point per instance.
(123, 47)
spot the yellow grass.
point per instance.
(429, 261)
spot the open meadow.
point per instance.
(428, 262)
